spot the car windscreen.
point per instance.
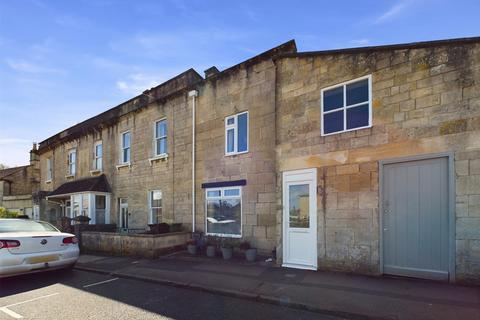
(25, 226)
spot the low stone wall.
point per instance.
(139, 245)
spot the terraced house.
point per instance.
(364, 159)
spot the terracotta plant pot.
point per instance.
(210, 251)
(227, 253)
(251, 254)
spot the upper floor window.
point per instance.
(347, 106)
(98, 156)
(49, 169)
(125, 155)
(236, 133)
(160, 139)
(72, 162)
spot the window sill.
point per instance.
(347, 130)
(124, 165)
(223, 235)
(48, 181)
(69, 176)
(163, 157)
(235, 153)
(95, 172)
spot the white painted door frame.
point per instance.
(300, 241)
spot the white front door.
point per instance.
(300, 219)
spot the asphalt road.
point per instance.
(84, 295)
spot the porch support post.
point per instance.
(107, 208)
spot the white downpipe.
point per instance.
(193, 94)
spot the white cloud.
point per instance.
(135, 84)
(360, 42)
(393, 11)
(30, 67)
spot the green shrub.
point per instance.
(4, 213)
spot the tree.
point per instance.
(3, 166)
(4, 213)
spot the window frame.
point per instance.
(222, 197)
(155, 138)
(70, 163)
(122, 148)
(150, 207)
(49, 170)
(234, 127)
(96, 157)
(345, 107)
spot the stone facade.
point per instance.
(425, 100)
(18, 186)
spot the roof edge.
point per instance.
(410, 45)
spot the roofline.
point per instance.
(139, 98)
(290, 45)
(410, 45)
(13, 171)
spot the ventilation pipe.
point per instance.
(193, 94)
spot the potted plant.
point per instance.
(192, 247)
(211, 247)
(227, 249)
(250, 253)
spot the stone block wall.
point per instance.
(252, 89)
(425, 101)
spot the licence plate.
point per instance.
(43, 259)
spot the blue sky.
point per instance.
(62, 62)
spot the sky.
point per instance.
(62, 62)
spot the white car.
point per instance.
(28, 246)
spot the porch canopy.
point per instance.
(88, 197)
(94, 184)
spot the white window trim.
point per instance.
(69, 172)
(222, 190)
(49, 170)
(121, 162)
(150, 198)
(95, 169)
(344, 108)
(235, 134)
(157, 155)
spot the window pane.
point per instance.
(333, 99)
(224, 216)
(100, 202)
(98, 150)
(213, 193)
(98, 163)
(126, 140)
(230, 140)
(161, 129)
(242, 132)
(333, 122)
(126, 155)
(299, 206)
(156, 215)
(162, 146)
(230, 120)
(232, 192)
(357, 92)
(357, 117)
(156, 198)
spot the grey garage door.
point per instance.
(415, 219)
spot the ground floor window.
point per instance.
(100, 208)
(224, 211)
(155, 199)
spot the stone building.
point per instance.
(364, 159)
(19, 186)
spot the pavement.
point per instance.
(80, 295)
(327, 293)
